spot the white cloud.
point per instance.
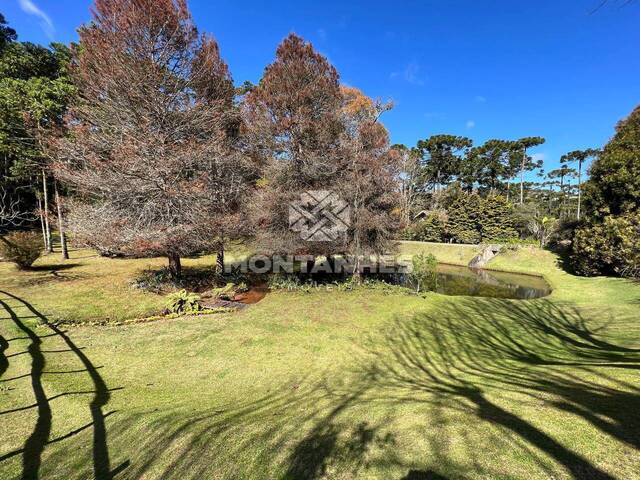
(322, 34)
(480, 99)
(471, 124)
(31, 8)
(539, 156)
(410, 74)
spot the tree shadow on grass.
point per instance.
(464, 357)
(51, 268)
(537, 348)
(40, 436)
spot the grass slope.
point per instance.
(320, 385)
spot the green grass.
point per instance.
(341, 385)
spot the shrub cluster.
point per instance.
(21, 248)
(469, 218)
(609, 247)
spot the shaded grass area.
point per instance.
(332, 385)
(89, 288)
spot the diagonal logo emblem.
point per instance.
(319, 216)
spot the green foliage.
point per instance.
(7, 34)
(614, 184)
(430, 229)
(21, 248)
(183, 302)
(609, 241)
(611, 246)
(441, 157)
(34, 92)
(469, 218)
(228, 291)
(424, 275)
(464, 213)
(543, 228)
(496, 219)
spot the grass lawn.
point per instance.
(340, 385)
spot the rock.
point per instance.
(485, 256)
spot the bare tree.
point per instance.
(148, 154)
(408, 164)
(368, 181)
(11, 216)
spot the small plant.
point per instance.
(21, 248)
(228, 291)
(183, 303)
(543, 228)
(424, 276)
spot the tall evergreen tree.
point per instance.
(580, 157)
(441, 157)
(527, 163)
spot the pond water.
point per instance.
(451, 280)
(456, 280)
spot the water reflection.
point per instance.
(456, 280)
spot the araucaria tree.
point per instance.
(527, 163)
(579, 157)
(149, 154)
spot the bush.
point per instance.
(610, 247)
(21, 248)
(463, 214)
(497, 219)
(424, 276)
(431, 229)
(183, 302)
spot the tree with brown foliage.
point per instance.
(149, 155)
(368, 181)
(294, 130)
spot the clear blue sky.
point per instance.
(481, 68)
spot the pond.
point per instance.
(451, 280)
(456, 280)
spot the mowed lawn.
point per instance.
(340, 385)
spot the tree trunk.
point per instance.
(63, 238)
(561, 196)
(47, 228)
(508, 190)
(175, 267)
(524, 158)
(579, 187)
(44, 232)
(220, 258)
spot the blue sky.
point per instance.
(480, 68)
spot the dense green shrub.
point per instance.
(496, 219)
(430, 229)
(21, 248)
(614, 178)
(464, 212)
(469, 218)
(609, 247)
(609, 241)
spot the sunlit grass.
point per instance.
(340, 385)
